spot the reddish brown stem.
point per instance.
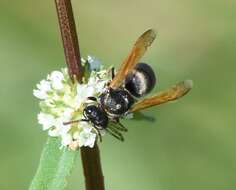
(69, 38)
(94, 179)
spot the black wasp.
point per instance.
(132, 81)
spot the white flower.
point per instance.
(46, 120)
(87, 138)
(57, 80)
(49, 103)
(97, 84)
(59, 128)
(44, 85)
(100, 86)
(56, 75)
(53, 132)
(67, 114)
(92, 81)
(62, 102)
(39, 94)
(84, 91)
(43, 88)
(66, 139)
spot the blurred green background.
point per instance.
(191, 145)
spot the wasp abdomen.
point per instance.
(141, 80)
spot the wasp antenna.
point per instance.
(98, 133)
(74, 121)
(71, 122)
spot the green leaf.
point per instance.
(55, 165)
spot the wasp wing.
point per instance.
(139, 48)
(173, 93)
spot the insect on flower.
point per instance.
(122, 94)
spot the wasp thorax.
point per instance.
(116, 102)
(141, 80)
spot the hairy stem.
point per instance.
(94, 179)
(69, 38)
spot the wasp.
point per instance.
(124, 93)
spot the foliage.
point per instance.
(55, 165)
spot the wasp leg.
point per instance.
(113, 72)
(115, 133)
(119, 126)
(98, 133)
(122, 126)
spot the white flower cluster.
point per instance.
(63, 101)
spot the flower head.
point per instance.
(62, 101)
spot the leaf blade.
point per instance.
(55, 165)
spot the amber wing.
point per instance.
(140, 47)
(173, 93)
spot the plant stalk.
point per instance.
(69, 39)
(94, 179)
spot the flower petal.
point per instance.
(46, 120)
